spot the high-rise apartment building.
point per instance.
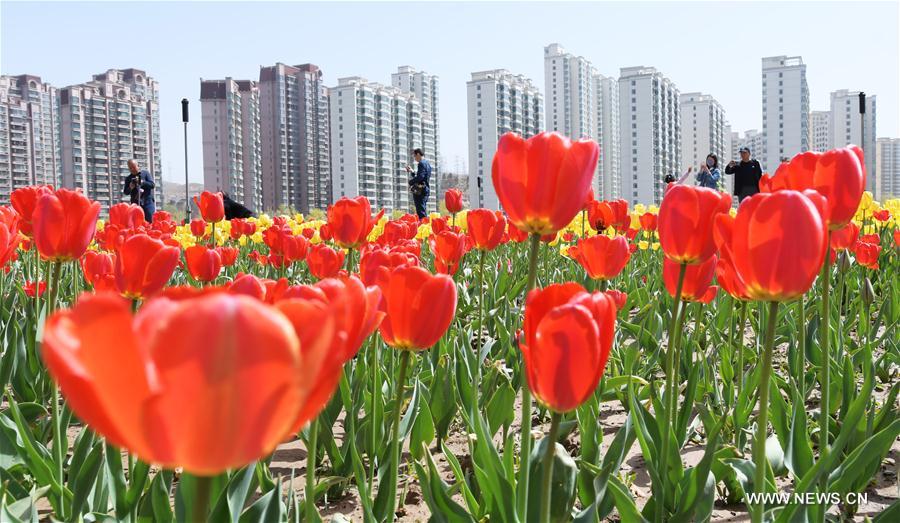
(498, 102)
(104, 123)
(29, 134)
(649, 133)
(606, 104)
(374, 129)
(232, 159)
(820, 130)
(785, 104)
(569, 91)
(702, 129)
(296, 159)
(849, 127)
(425, 87)
(887, 169)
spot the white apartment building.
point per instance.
(649, 133)
(374, 129)
(498, 102)
(232, 159)
(296, 159)
(425, 87)
(785, 104)
(887, 169)
(29, 134)
(104, 123)
(846, 126)
(569, 88)
(702, 129)
(608, 185)
(820, 130)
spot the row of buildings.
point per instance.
(80, 136)
(288, 140)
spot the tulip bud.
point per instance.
(867, 293)
(843, 262)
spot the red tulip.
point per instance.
(98, 269)
(248, 285)
(144, 265)
(776, 243)
(453, 200)
(64, 224)
(838, 175)
(882, 215)
(686, 222)
(874, 239)
(897, 237)
(324, 262)
(9, 234)
(24, 201)
(602, 257)
(697, 279)
(203, 263)
(486, 228)
(543, 182)
(419, 307)
(619, 298)
(238, 360)
(373, 262)
(845, 237)
(516, 234)
(229, 255)
(284, 244)
(568, 337)
(354, 310)
(162, 216)
(350, 221)
(448, 248)
(211, 205)
(605, 214)
(648, 221)
(198, 227)
(126, 215)
(308, 233)
(867, 254)
(31, 288)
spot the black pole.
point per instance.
(862, 131)
(187, 199)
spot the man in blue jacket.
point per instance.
(419, 184)
(139, 187)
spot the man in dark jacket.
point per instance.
(423, 174)
(139, 187)
(747, 174)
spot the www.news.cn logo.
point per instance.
(807, 498)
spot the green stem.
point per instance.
(481, 329)
(60, 443)
(395, 440)
(201, 501)
(547, 483)
(671, 394)
(801, 352)
(376, 397)
(825, 343)
(739, 371)
(311, 513)
(525, 456)
(759, 444)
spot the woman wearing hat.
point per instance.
(747, 174)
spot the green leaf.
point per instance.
(232, 500)
(86, 477)
(799, 456)
(423, 431)
(860, 466)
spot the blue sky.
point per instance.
(709, 47)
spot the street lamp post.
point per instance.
(187, 199)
